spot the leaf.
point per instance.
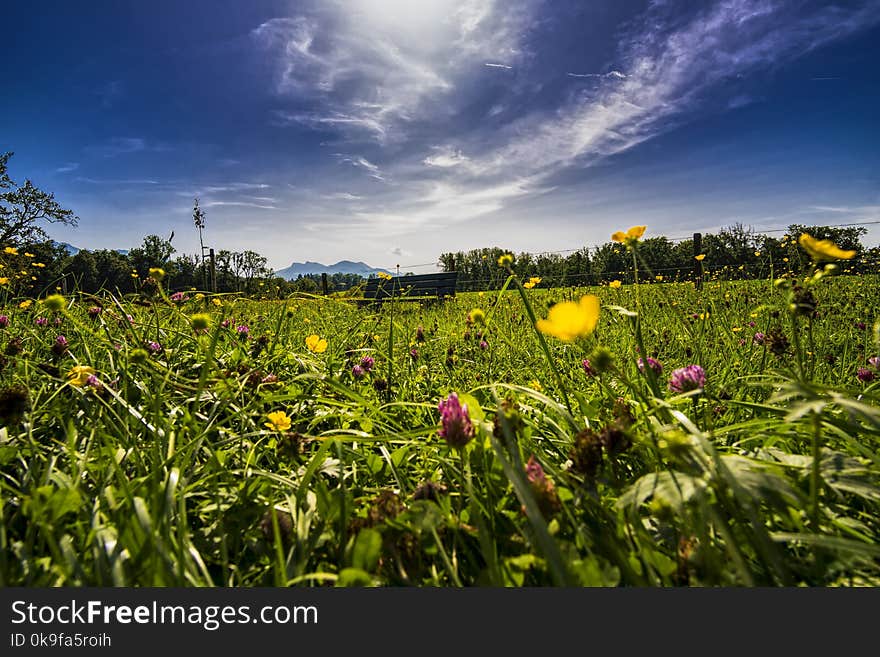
(424, 515)
(672, 487)
(366, 550)
(761, 479)
(830, 542)
(353, 577)
(474, 409)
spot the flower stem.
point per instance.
(814, 475)
(543, 343)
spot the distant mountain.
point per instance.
(73, 250)
(297, 269)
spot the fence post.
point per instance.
(698, 266)
(324, 282)
(213, 272)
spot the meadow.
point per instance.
(725, 435)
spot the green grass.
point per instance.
(165, 473)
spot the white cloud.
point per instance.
(342, 196)
(70, 166)
(669, 67)
(337, 121)
(399, 82)
(610, 74)
(241, 204)
(375, 67)
(445, 157)
(363, 163)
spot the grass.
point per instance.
(161, 470)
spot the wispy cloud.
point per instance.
(67, 168)
(362, 76)
(117, 181)
(610, 74)
(342, 196)
(854, 212)
(375, 71)
(365, 121)
(125, 145)
(214, 188)
(670, 65)
(446, 157)
(363, 163)
(238, 204)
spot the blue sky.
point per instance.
(391, 131)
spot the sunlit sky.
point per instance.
(390, 131)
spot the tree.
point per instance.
(22, 207)
(114, 271)
(82, 270)
(199, 221)
(253, 265)
(154, 252)
(611, 262)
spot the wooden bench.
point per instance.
(416, 287)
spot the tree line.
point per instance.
(31, 263)
(735, 252)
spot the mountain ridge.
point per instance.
(342, 267)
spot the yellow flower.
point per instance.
(79, 374)
(200, 296)
(4, 280)
(757, 254)
(820, 250)
(385, 276)
(316, 344)
(200, 322)
(39, 264)
(24, 305)
(505, 260)
(217, 302)
(615, 284)
(10, 250)
(477, 316)
(157, 273)
(278, 421)
(658, 277)
(569, 320)
(55, 302)
(785, 260)
(631, 236)
(532, 282)
(700, 257)
(28, 255)
(536, 385)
